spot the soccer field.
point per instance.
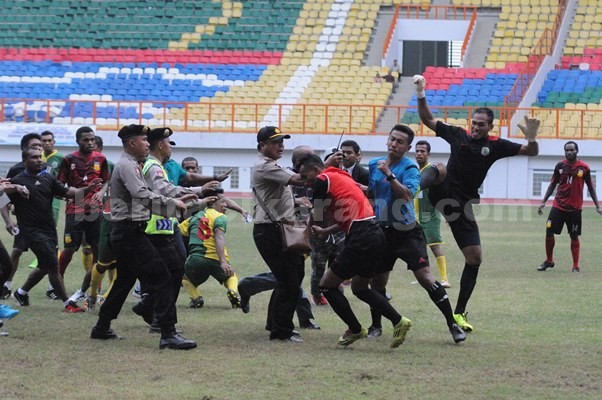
(537, 334)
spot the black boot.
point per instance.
(102, 330)
(144, 308)
(172, 340)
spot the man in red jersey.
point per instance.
(569, 175)
(83, 216)
(335, 192)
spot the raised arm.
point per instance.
(529, 129)
(425, 114)
(192, 179)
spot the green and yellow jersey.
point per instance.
(426, 213)
(53, 161)
(202, 237)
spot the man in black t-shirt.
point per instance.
(455, 188)
(36, 223)
(28, 140)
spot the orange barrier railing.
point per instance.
(563, 123)
(471, 25)
(390, 33)
(411, 11)
(558, 20)
(545, 46)
(436, 12)
(294, 118)
(529, 70)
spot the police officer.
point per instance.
(131, 205)
(160, 230)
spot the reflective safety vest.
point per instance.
(158, 224)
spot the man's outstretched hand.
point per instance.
(530, 128)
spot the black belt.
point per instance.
(131, 224)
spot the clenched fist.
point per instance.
(420, 83)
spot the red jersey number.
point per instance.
(204, 232)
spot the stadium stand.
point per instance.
(204, 52)
(576, 85)
(520, 27)
(207, 64)
(453, 89)
(127, 53)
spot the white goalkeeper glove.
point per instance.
(420, 83)
(530, 128)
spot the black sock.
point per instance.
(439, 296)
(376, 315)
(467, 284)
(340, 305)
(428, 177)
(380, 304)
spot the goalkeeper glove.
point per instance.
(420, 83)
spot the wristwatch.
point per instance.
(391, 177)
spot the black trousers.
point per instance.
(137, 258)
(288, 269)
(167, 247)
(251, 285)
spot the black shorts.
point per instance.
(408, 245)
(76, 225)
(20, 242)
(558, 218)
(364, 245)
(458, 214)
(45, 246)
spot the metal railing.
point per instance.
(544, 47)
(293, 118)
(412, 11)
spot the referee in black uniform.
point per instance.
(131, 205)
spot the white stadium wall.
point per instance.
(510, 178)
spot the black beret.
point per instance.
(132, 130)
(158, 134)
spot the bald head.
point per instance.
(300, 152)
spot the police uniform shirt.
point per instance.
(470, 159)
(270, 182)
(131, 199)
(35, 213)
(159, 183)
